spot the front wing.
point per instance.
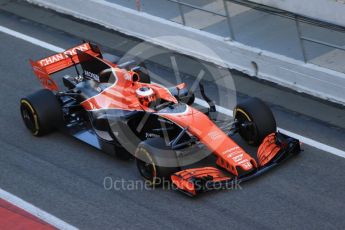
(270, 154)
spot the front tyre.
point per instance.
(41, 112)
(255, 120)
(155, 161)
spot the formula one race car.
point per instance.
(116, 108)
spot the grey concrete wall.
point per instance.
(291, 73)
(332, 11)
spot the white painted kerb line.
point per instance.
(31, 40)
(316, 144)
(199, 101)
(33, 210)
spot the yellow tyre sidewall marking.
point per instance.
(25, 102)
(144, 151)
(243, 112)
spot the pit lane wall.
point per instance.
(331, 11)
(297, 75)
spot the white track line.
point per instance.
(316, 144)
(50, 219)
(42, 215)
(199, 101)
(31, 40)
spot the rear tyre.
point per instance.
(256, 120)
(41, 112)
(155, 161)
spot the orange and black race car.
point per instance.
(116, 108)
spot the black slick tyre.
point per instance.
(41, 112)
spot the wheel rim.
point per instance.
(146, 166)
(146, 170)
(249, 133)
(29, 118)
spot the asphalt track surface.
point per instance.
(66, 177)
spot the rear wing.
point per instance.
(45, 67)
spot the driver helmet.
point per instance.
(145, 95)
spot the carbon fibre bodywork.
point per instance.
(101, 107)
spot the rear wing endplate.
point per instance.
(45, 67)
